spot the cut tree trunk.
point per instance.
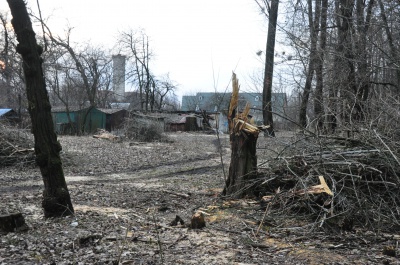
(13, 222)
(56, 199)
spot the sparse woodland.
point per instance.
(323, 191)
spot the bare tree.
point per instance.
(135, 44)
(88, 69)
(164, 92)
(350, 79)
(12, 85)
(4, 58)
(56, 199)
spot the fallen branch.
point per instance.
(183, 195)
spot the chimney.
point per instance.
(119, 77)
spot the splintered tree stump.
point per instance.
(243, 136)
(14, 222)
(197, 221)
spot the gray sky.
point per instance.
(197, 42)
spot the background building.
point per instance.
(119, 77)
(219, 102)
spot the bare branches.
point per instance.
(153, 91)
(16, 146)
(362, 175)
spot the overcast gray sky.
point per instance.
(194, 41)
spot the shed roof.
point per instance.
(111, 111)
(73, 109)
(63, 109)
(4, 111)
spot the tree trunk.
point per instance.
(56, 198)
(340, 95)
(269, 68)
(319, 87)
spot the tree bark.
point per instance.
(56, 199)
(269, 68)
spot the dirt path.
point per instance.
(126, 195)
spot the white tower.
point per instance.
(119, 77)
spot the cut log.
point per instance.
(197, 221)
(13, 222)
(183, 195)
(103, 134)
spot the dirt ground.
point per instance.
(126, 194)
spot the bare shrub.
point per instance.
(144, 129)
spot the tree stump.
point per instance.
(13, 222)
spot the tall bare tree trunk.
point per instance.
(314, 26)
(269, 67)
(319, 87)
(56, 198)
(340, 95)
(362, 58)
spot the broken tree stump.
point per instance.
(13, 222)
(243, 137)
